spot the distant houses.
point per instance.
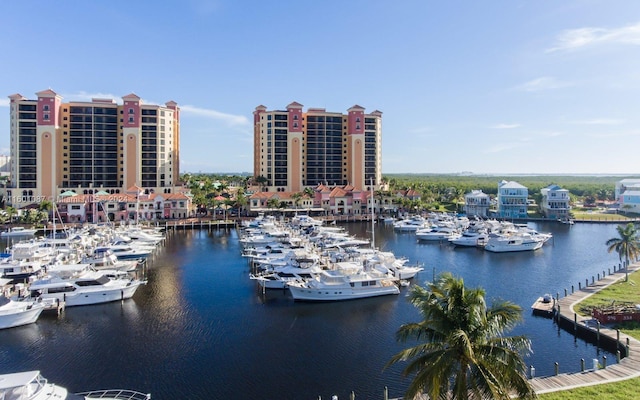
(555, 202)
(512, 200)
(477, 203)
(627, 194)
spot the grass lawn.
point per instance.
(609, 391)
(619, 292)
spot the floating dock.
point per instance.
(545, 306)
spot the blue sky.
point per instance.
(503, 87)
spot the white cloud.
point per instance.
(542, 83)
(502, 147)
(505, 126)
(572, 39)
(600, 121)
(217, 115)
(4, 102)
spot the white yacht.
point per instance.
(347, 281)
(31, 385)
(90, 287)
(280, 277)
(17, 313)
(470, 239)
(127, 252)
(512, 242)
(18, 231)
(104, 258)
(411, 224)
(437, 233)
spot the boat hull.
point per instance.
(505, 248)
(19, 317)
(301, 293)
(95, 297)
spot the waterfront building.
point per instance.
(555, 202)
(512, 200)
(132, 205)
(294, 149)
(623, 185)
(90, 147)
(476, 203)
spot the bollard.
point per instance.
(579, 285)
(609, 270)
(532, 371)
(603, 275)
(627, 347)
(582, 365)
(353, 395)
(572, 289)
(586, 282)
(598, 275)
(604, 361)
(595, 364)
(575, 322)
(593, 280)
(386, 393)
(557, 368)
(565, 292)
(598, 335)
(618, 356)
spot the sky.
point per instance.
(487, 87)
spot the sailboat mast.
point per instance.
(373, 219)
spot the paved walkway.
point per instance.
(627, 368)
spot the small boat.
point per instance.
(18, 231)
(17, 313)
(512, 242)
(31, 385)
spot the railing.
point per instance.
(115, 394)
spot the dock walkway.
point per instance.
(627, 368)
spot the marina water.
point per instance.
(200, 329)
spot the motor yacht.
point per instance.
(90, 287)
(18, 231)
(347, 281)
(17, 313)
(31, 385)
(512, 242)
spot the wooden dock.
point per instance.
(544, 307)
(627, 368)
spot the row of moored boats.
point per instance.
(492, 235)
(96, 264)
(316, 262)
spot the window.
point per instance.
(131, 111)
(45, 107)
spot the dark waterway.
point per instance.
(200, 329)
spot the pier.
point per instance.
(624, 345)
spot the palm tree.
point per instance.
(462, 353)
(627, 245)
(296, 198)
(11, 212)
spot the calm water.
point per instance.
(201, 329)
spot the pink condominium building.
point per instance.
(91, 147)
(294, 149)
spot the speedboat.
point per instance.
(470, 239)
(126, 252)
(90, 287)
(31, 385)
(18, 231)
(347, 281)
(17, 313)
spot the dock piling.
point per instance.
(557, 366)
(582, 365)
